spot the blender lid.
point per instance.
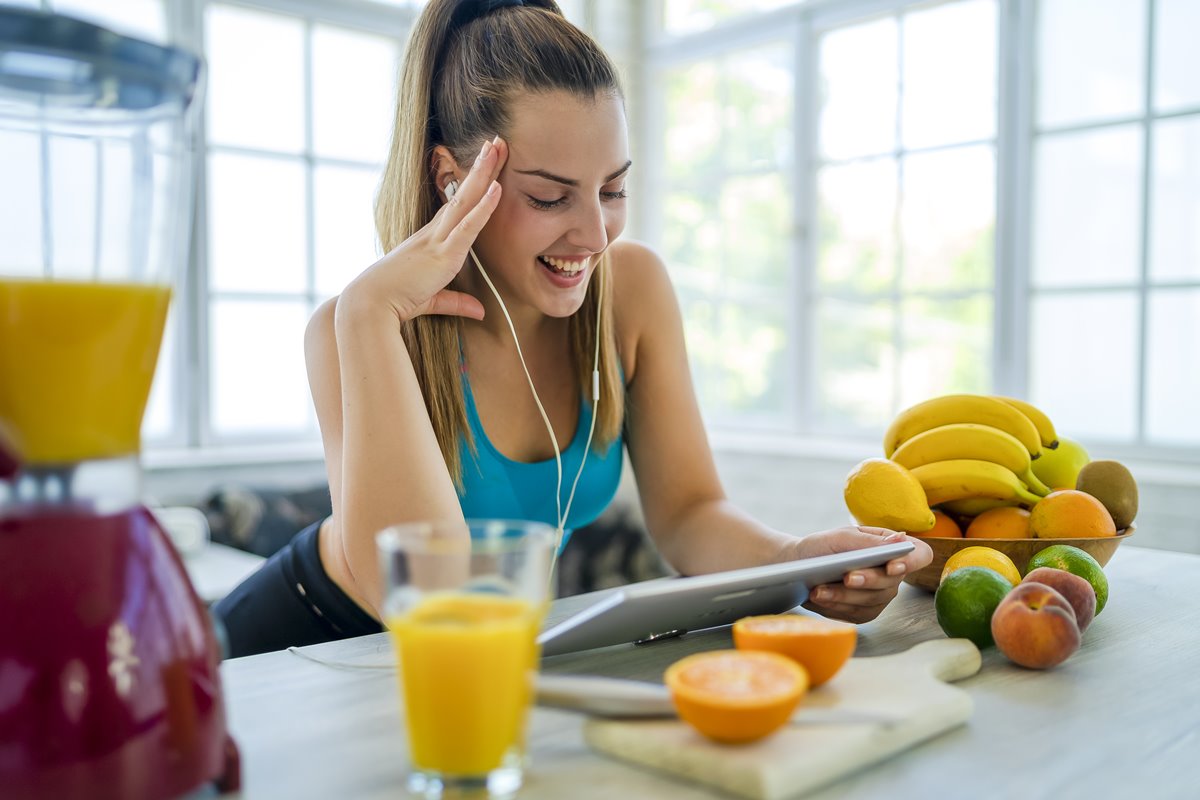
(68, 63)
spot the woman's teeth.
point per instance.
(565, 267)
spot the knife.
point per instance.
(625, 699)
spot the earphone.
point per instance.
(451, 190)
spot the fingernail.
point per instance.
(494, 188)
(483, 152)
(855, 580)
(820, 594)
(496, 140)
(896, 568)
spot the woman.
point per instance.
(509, 159)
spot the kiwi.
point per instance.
(1111, 483)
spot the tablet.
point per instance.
(653, 610)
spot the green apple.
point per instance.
(1058, 468)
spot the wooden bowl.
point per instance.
(1020, 551)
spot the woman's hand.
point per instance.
(863, 593)
(411, 280)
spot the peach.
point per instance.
(1077, 591)
(1035, 626)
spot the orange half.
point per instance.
(736, 696)
(821, 646)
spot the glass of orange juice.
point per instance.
(464, 604)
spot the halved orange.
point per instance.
(821, 646)
(736, 696)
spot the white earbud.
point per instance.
(451, 189)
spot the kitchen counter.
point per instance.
(1121, 716)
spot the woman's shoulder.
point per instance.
(641, 292)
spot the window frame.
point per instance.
(1015, 141)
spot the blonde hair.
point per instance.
(465, 61)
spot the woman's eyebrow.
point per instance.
(541, 173)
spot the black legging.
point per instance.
(290, 601)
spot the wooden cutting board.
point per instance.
(871, 710)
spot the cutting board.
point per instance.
(871, 710)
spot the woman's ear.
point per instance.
(445, 168)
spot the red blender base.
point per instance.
(109, 685)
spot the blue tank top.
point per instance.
(498, 487)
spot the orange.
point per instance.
(979, 556)
(821, 646)
(1006, 522)
(1069, 513)
(943, 528)
(736, 695)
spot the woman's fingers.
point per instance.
(473, 192)
(463, 235)
(450, 303)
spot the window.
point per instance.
(972, 195)
(295, 128)
(1114, 253)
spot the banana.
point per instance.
(1045, 427)
(970, 440)
(960, 478)
(974, 506)
(951, 408)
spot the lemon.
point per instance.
(965, 601)
(883, 494)
(980, 556)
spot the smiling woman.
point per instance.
(499, 211)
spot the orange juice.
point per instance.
(467, 663)
(76, 363)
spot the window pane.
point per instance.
(855, 366)
(20, 203)
(857, 222)
(1092, 59)
(258, 381)
(255, 79)
(1177, 59)
(949, 74)
(693, 122)
(354, 78)
(1173, 368)
(692, 240)
(947, 347)
(1086, 209)
(688, 16)
(948, 213)
(141, 18)
(1083, 363)
(858, 90)
(755, 214)
(344, 234)
(742, 356)
(1175, 200)
(256, 222)
(758, 107)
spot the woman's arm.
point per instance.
(692, 523)
(382, 456)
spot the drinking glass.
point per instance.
(463, 604)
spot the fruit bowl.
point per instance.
(1020, 551)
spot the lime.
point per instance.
(1077, 562)
(965, 600)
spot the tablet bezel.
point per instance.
(660, 608)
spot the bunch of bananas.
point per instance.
(972, 452)
(968, 453)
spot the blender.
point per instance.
(109, 683)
